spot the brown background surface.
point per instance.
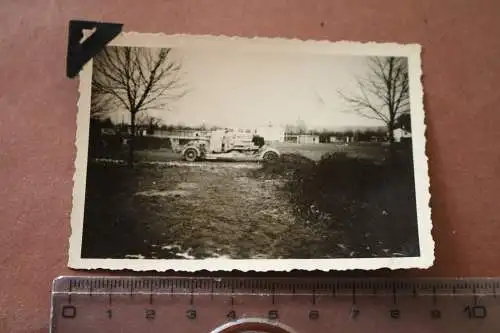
(461, 64)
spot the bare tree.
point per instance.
(404, 122)
(148, 123)
(383, 93)
(136, 79)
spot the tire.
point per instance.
(190, 155)
(270, 156)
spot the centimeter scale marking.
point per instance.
(153, 304)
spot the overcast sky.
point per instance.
(248, 90)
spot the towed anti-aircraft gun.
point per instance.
(229, 145)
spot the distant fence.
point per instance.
(180, 133)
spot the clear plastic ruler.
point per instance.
(175, 305)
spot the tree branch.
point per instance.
(137, 78)
(383, 93)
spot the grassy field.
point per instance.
(303, 206)
(374, 151)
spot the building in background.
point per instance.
(302, 138)
(401, 134)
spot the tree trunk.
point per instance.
(392, 146)
(390, 128)
(131, 142)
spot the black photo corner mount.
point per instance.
(79, 53)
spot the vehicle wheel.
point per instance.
(190, 155)
(270, 156)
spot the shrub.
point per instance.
(287, 165)
(370, 205)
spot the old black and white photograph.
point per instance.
(253, 154)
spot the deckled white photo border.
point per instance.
(412, 51)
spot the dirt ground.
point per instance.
(186, 211)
